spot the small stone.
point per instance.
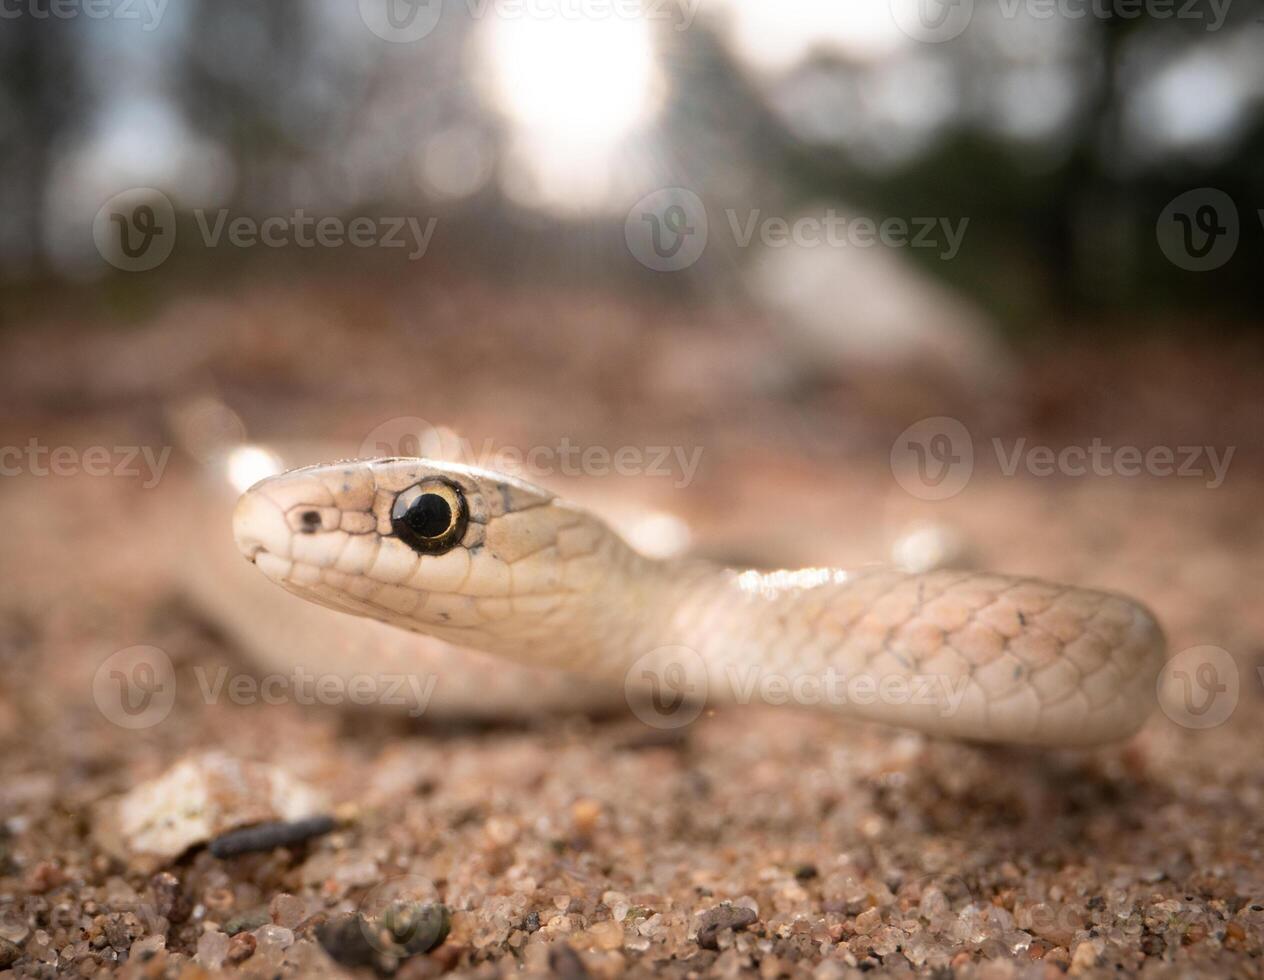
(44, 877)
(346, 942)
(868, 920)
(1058, 956)
(417, 928)
(606, 935)
(9, 953)
(271, 942)
(584, 814)
(13, 925)
(147, 948)
(212, 949)
(241, 948)
(169, 901)
(716, 920)
(1083, 959)
(287, 910)
(247, 921)
(197, 799)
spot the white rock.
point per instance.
(196, 800)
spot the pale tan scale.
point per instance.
(352, 488)
(358, 554)
(443, 573)
(1036, 648)
(394, 563)
(357, 522)
(1056, 682)
(398, 599)
(1002, 617)
(537, 581)
(977, 643)
(311, 549)
(946, 613)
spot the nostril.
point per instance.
(309, 521)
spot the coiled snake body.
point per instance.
(487, 562)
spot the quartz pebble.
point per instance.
(197, 799)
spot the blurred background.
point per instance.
(1061, 129)
(774, 237)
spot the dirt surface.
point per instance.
(602, 847)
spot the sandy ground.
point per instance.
(597, 846)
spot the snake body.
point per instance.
(486, 562)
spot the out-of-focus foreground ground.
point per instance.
(593, 845)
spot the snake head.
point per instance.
(475, 557)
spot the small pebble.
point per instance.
(241, 948)
(212, 949)
(584, 814)
(287, 910)
(247, 921)
(722, 917)
(1083, 959)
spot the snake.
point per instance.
(552, 606)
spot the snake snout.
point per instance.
(260, 526)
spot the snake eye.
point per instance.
(430, 517)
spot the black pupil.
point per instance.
(429, 515)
